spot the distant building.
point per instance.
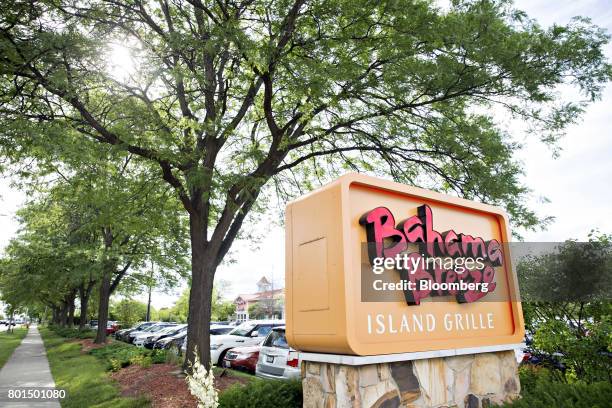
(267, 302)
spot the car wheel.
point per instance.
(175, 349)
(221, 357)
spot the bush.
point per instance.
(118, 355)
(141, 360)
(263, 394)
(540, 390)
(72, 332)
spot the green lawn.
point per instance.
(83, 376)
(9, 342)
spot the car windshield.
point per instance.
(243, 330)
(277, 339)
(223, 330)
(170, 330)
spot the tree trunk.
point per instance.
(84, 294)
(63, 317)
(203, 266)
(103, 303)
(71, 298)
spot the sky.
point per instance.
(576, 183)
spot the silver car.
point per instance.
(276, 359)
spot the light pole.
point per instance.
(150, 289)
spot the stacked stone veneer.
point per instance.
(469, 381)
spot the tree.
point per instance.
(98, 225)
(566, 300)
(223, 311)
(235, 101)
(128, 311)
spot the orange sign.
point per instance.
(376, 267)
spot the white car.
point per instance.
(140, 339)
(276, 359)
(248, 333)
(215, 330)
(149, 330)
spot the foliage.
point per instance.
(201, 385)
(83, 376)
(9, 341)
(222, 310)
(568, 310)
(103, 225)
(118, 355)
(540, 391)
(257, 311)
(128, 312)
(72, 332)
(263, 394)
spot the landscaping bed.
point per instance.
(83, 376)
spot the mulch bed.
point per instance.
(163, 384)
(88, 344)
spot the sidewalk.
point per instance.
(28, 368)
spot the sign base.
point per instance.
(463, 381)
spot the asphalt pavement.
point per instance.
(26, 376)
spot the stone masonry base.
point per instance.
(468, 381)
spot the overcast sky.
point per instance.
(576, 183)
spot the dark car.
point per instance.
(124, 333)
(150, 342)
(148, 330)
(538, 358)
(172, 343)
(242, 358)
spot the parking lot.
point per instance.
(256, 347)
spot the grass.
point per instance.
(9, 342)
(83, 376)
(234, 373)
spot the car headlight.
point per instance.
(214, 346)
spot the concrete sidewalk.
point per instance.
(28, 368)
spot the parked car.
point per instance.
(169, 332)
(219, 329)
(123, 333)
(111, 327)
(172, 343)
(140, 339)
(247, 334)
(538, 358)
(276, 359)
(149, 330)
(215, 330)
(93, 324)
(242, 358)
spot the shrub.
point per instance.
(173, 358)
(141, 360)
(115, 365)
(159, 356)
(118, 355)
(540, 390)
(263, 394)
(72, 332)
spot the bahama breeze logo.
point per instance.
(443, 264)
